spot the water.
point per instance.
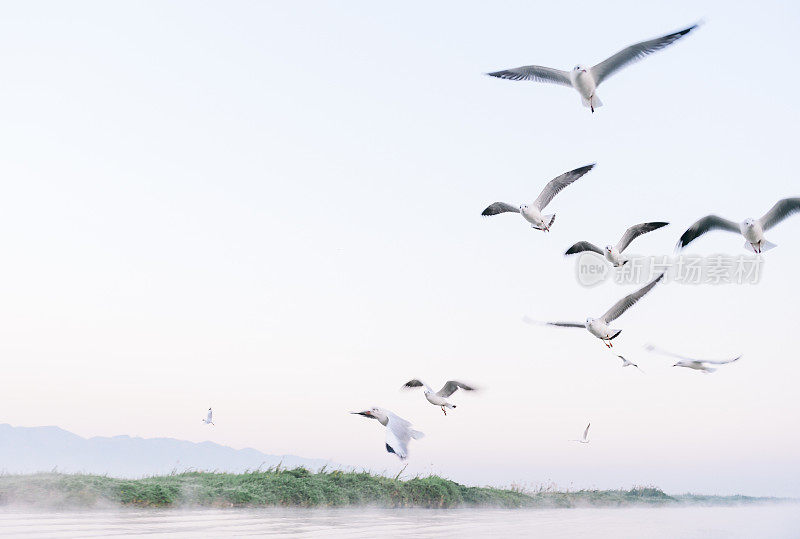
(747, 521)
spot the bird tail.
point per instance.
(616, 334)
(549, 219)
(765, 246)
(417, 434)
(595, 103)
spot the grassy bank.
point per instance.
(302, 488)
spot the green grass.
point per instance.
(301, 488)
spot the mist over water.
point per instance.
(764, 521)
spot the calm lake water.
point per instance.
(762, 521)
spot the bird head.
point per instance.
(523, 207)
(580, 68)
(749, 223)
(589, 320)
(608, 248)
(374, 413)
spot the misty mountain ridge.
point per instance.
(37, 449)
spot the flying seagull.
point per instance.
(398, 430)
(208, 420)
(599, 326)
(439, 398)
(586, 79)
(626, 363)
(690, 363)
(533, 213)
(613, 253)
(585, 438)
(752, 229)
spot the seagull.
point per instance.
(208, 420)
(689, 363)
(439, 398)
(599, 326)
(586, 79)
(626, 363)
(613, 253)
(752, 229)
(533, 213)
(585, 439)
(398, 430)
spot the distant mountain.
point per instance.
(37, 449)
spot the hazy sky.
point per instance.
(273, 208)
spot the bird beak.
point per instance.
(583, 71)
(365, 413)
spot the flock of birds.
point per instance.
(585, 80)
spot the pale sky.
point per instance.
(273, 208)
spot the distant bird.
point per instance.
(533, 213)
(599, 326)
(439, 398)
(585, 438)
(398, 430)
(626, 363)
(208, 420)
(613, 253)
(689, 363)
(752, 229)
(586, 79)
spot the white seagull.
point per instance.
(626, 363)
(439, 398)
(586, 79)
(585, 438)
(613, 253)
(599, 326)
(208, 418)
(398, 430)
(690, 363)
(533, 213)
(752, 229)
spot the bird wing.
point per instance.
(634, 53)
(557, 184)
(398, 434)
(722, 362)
(628, 301)
(500, 207)
(586, 432)
(531, 321)
(780, 211)
(709, 222)
(637, 230)
(583, 246)
(534, 73)
(451, 386)
(416, 383)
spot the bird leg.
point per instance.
(608, 344)
(444, 411)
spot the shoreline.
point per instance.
(301, 488)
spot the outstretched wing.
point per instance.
(709, 222)
(628, 301)
(531, 321)
(582, 246)
(398, 434)
(451, 386)
(555, 185)
(500, 207)
(722, 362)
(780, 211)
(534, 73)
(637, 230)
(634, 53)
(416, 383)
(586, 432)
